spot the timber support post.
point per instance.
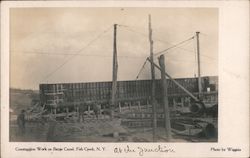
(114, 75)
(120, 108)
(77, 112)
(67, 111)
(199, 64)
(88, 109)
(182, 102)
(147, 105)
(139, 105)
(153, 79)
(175, 82)
(165, 98)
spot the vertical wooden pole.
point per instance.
(114, 75)
(199, 64)
(153, 79)
(165, 98)
(77, 112)
(67, 111)
(182, 102)
(147, 104)
(120, 108)
(174, 108)
(174, 103)
(139, 105)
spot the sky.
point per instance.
(57, 45)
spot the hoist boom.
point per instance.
(179, 85)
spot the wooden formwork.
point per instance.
(78, 94)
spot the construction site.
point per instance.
(154, 110)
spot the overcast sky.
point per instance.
(44, 39)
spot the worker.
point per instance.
(82, 109)
(96, 108)
(21, 122)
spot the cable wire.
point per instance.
(71, 57)
(162, 52)
(141, 69)
(155, 39)
(70, 54)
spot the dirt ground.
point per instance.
(91, 131)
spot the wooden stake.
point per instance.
(120, 108)
(139, 106)
(67, 111)
(165, 98)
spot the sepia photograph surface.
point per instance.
(94, 74)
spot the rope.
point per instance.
(155, 39)
(141, 69)
(70, 54)
(158, 53)
(71, 57)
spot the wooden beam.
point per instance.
(153, 79)
(199, 63)
(120, 108)
(165, 98)
(179, 85)
(114, 74)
